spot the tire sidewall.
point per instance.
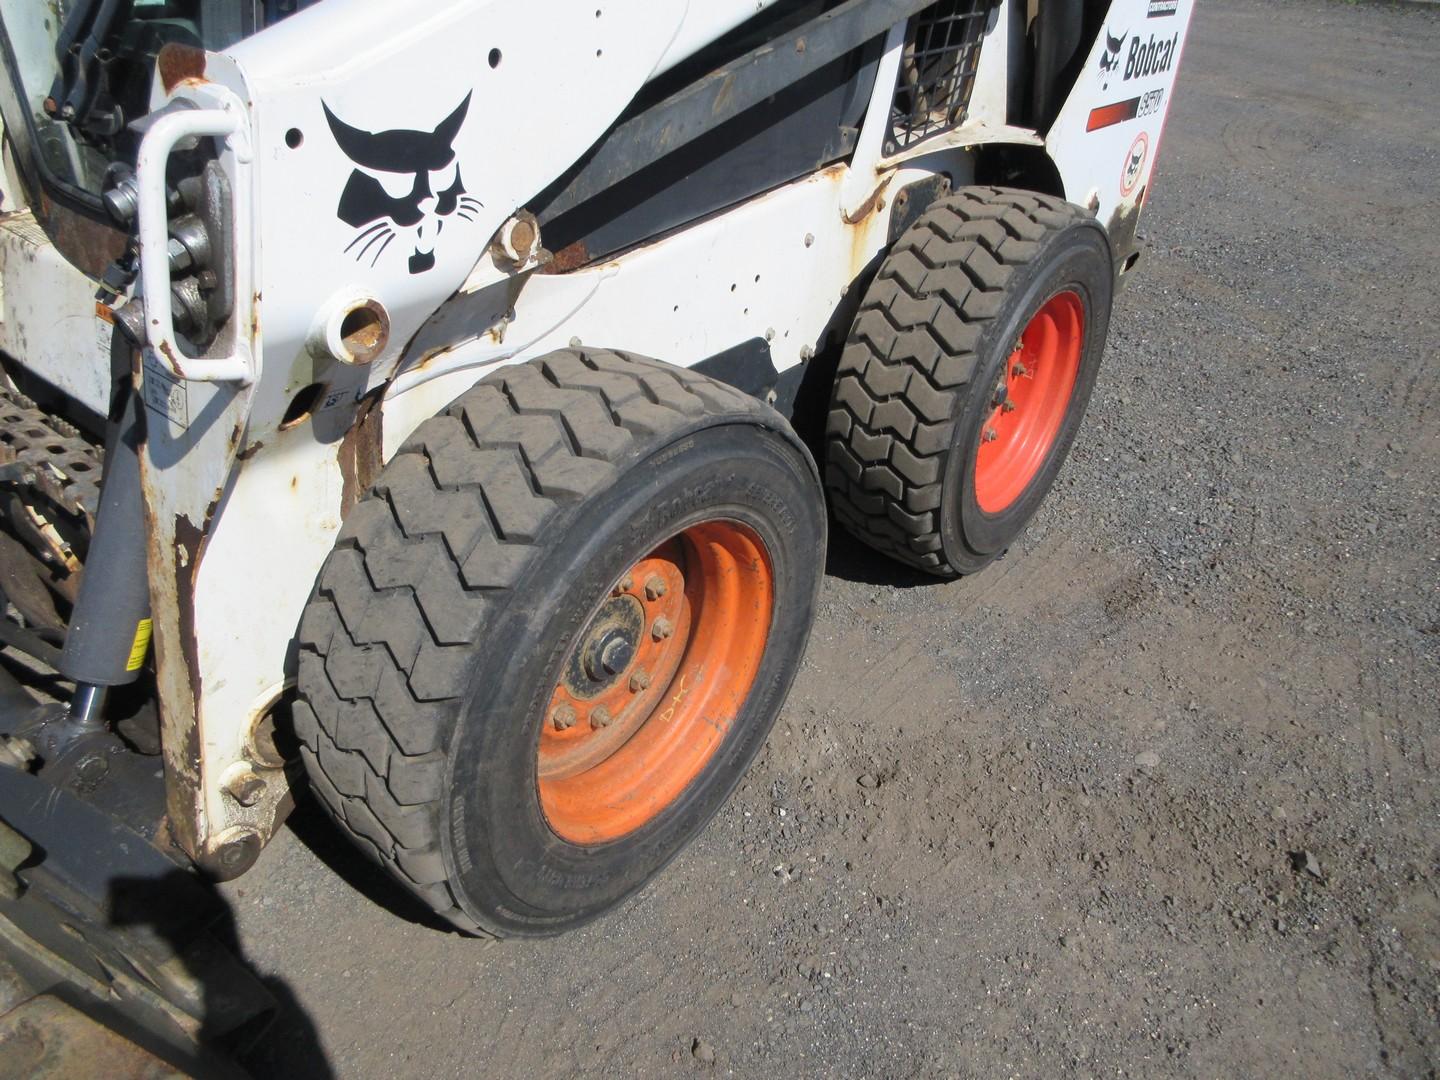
(511, 867)
(1076, 259)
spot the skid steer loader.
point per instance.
(441, 406)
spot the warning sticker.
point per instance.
(165, 394)
(140, 646)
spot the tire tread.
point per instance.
(911, 355)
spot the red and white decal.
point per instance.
(1134, 164)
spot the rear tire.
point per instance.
(941, 441)
(482, 607)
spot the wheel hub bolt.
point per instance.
(563, 718)
(1008, 406)
(609, 656)
(639, 681)
(600, 717)
(990, 435)
(1019, 370)
(624, 585)
(662, 628)
(655, 587)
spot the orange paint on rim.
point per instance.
(1038, 382)
(655, 682)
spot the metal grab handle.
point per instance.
(155, 149)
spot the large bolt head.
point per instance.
(92, 768)
(232, 852)
(122, 202)
(609, 656)
(616, 654)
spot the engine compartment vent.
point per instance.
(937, 71)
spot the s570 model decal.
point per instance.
(404, 182)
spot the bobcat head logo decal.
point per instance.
(1134, 164)
(406, 183)
(1110, 58)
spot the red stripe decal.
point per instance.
(1109, 115)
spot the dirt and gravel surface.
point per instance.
(1156, 794)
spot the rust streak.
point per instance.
(360, 451)
(169, 354)
(185, 759)
(871, 204)
(568, 258)
(89, 245)
(178, 63)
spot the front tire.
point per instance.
(552, 638)
(966, 376)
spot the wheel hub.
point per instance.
(1029, 402)
(643, 697)
(606, 647)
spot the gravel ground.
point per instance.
(1153, 795)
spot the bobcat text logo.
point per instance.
(1151, 58)
(406, 183)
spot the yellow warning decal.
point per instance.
(140, 646)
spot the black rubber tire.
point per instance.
(439, 622)
(912, 391)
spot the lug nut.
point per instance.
(639, 681)
(1019, 370)
(1008, 406)
(990, 435)
(655, 587)
(600, 717)
(563, 718)
(662, 628)
(625, 584)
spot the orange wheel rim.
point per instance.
(654, 682)
(1031, 398)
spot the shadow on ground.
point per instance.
(244, 1016)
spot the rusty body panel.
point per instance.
(87, 244)
(46, 1038)
(359, 457)
(177, 63)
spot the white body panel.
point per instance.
(47, 314)
(1107, 137)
